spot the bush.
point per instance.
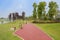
(47, 21)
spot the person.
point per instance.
(20, 25)
(14, 28)
(26, 22)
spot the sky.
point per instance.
(10, 6)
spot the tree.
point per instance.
(41, 9)
(16, 15)
(44, 15)
(34, 11)
(2, 20)
(52, 9)
(9, 16)
(23, 15)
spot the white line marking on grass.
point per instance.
(44, 32)
(17, 36)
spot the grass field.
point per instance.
(6, 33)
(52, 30)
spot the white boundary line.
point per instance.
(44, 31)
(17, 36)
(39, 29)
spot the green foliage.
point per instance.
(41, 9)
(6, 33)
(34, 11)
(53, 30)
(52, 9)
(40, 13)
(45, 17)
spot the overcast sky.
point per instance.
(9, 6)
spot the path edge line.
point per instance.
(17, 36)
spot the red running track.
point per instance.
(31, 32)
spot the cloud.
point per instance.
(18, 6)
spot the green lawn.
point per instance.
(6, 33)
(51, 29)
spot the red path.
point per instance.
(31, 32)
